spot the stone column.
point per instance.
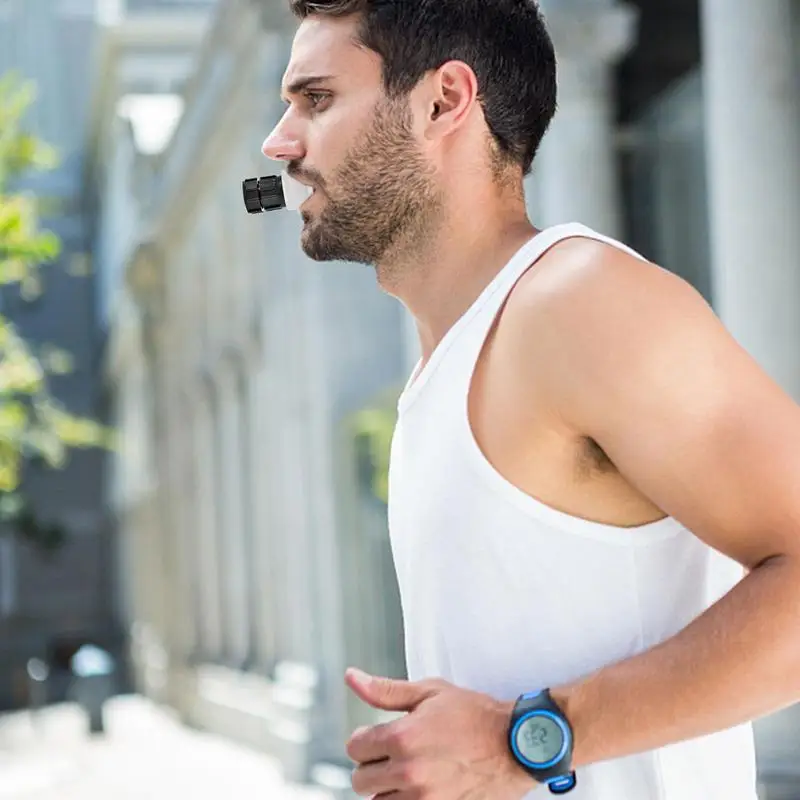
(232, 533)
(265, 569)
(177, 606)
(186, 501)
(294, 457)
(752, 96)
(204, 516)
(575, 175)
(286, 418)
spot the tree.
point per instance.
(33, 424)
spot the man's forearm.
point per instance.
(738, 661)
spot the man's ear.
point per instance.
(452, 94)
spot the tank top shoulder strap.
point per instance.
(489, 305)
(491, 301)
(471, 329)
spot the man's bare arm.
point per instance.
(636, 360)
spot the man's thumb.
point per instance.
(385, 693)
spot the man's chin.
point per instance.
(316, 250)
(312, 247)
(318, 244)
(314, 255)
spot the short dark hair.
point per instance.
(505, 42)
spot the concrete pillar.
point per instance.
(286, 417)
(294, 457)
(752, 96)
(186, 488)
(153, 616)
(266, 568)
(175, 552)
(205, 521)
(248, 489)
(322, 464)
(576, 171)
(279, 557)
(282, 548)
(232, 536)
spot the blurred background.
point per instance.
(195, 418)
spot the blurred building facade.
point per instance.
(145, 56)
(250, 385)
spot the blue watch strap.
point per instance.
(562, 785)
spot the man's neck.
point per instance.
(439, 285)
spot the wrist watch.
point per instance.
(541, 741)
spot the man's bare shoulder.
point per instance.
(591, 314)
(585, 270)
(585, 293)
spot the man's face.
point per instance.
(374, 189)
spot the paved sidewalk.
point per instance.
(145, 755)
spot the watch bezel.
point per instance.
(566, 735)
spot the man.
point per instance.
(594, 510)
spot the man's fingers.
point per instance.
(391, 694)
(389, 777)
(372, 779)
(373, 743)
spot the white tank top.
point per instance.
(503, 594)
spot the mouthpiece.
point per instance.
(273, 192)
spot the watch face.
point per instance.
(539, 739)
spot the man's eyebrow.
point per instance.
(299, 84)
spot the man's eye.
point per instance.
(317, 98)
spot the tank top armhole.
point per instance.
(482, 467)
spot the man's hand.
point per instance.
(451, 745)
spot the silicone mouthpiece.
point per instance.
(294, 192)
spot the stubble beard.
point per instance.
(382, 204)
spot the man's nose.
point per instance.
(282, 145)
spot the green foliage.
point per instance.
(371, 430)
(33, 425)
